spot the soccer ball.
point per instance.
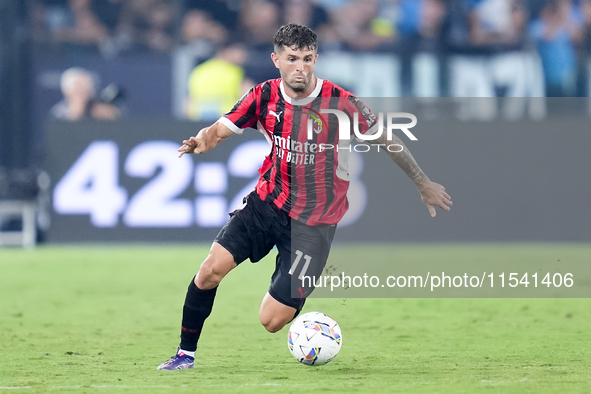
(314, 338)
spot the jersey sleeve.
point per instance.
(245, 112)
(368, 122)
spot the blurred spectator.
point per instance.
(487, 38)
(38, 30)
(198, 30)
(356, 25)
(332, 4)
(558, 30)
(147, 25)
(224, 12)
(497, 25)
(259, 20)
(109, 12)
(78, 88)
(215, 85)
(79, 26)
(304, 12)
(357, 46)
(419, 24)
(299, 12)
(133, 19)
(158, 35)
(486, 26)
(586, 13)
(421, 18)
(200, 37)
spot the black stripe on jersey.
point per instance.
(282, 128)
(280, 108)
(265, 100)
(250, 114)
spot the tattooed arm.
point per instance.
(432, 194)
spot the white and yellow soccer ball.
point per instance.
(314, 338)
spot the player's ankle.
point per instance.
(187, 352)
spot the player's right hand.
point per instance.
(192, 145)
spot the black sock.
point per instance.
(198, 305)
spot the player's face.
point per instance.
(296, 67)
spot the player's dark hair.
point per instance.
(295, 37)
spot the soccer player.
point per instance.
(301, 193)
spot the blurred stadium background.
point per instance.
(95, 96)
(160, 69)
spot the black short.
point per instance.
(255, 229)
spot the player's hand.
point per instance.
(434, 195)
(192, 145)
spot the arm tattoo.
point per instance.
(405, 161)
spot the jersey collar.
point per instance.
(304, 100)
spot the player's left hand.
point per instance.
(434, 195)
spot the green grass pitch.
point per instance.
(99, 319)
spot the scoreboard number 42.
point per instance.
(91, 186)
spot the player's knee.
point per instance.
(208, 276)
(272, 322)
(273, 325)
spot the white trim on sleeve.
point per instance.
(229, 124)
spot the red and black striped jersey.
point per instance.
(306, 173)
